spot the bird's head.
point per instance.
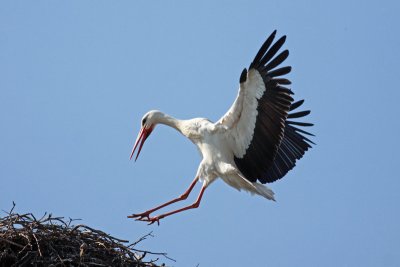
(149, 121)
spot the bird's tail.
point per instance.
(264, 191)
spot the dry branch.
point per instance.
(53, 241)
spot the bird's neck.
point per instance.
(171, 121)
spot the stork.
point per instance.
(253, 143)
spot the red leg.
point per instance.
(196, 204)
(146, 214)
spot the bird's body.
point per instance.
(253, 143)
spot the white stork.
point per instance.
(253, 143)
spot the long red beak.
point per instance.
(141, 138)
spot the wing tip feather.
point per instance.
(243, 76)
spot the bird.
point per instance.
(254, 143)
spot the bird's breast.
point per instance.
(214, 148)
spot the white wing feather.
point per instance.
(240, 120)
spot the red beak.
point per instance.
(141, 138)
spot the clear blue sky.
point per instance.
(77, 76)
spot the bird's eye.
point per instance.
(143, 121)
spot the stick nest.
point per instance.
(53, 241)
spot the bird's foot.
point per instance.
(152, 220)
(144, 216)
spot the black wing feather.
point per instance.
(298, 114)
(272, 51)
(296, 105)
(278, 60)
(293, 146)
(263, 49)
(273, 108)
(280, 72)
(276, 144)
(306, 124)
(282, 81)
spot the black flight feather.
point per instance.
(296, 104)
(276, 144)
(282, 81)
(272, 51)
(298, 114)
(277, 60)
(262, 50)
(273, 107)
(280, 71)
(306, 124)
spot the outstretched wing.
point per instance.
(255, 124)
(292, 148)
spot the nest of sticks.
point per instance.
(54, 241)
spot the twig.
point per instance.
(11, 242)
(142, 238)
(154, 253)
(55, 241)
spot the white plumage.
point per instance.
(253, 143)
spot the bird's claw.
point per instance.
(149, 219)
(145, 217)
(140, 216)
(153, 220)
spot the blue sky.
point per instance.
(77, 76)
